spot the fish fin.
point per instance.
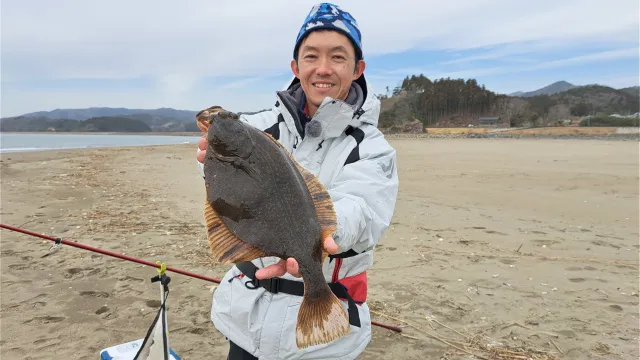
(321, 320)
(203, 118)
(322, 201)
(225, 245)
(275, 141)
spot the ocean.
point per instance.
(15, 142)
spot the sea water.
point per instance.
(16, 142)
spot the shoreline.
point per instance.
(535, 132)
(104, 133)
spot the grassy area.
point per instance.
(564, 131)
(464, 130)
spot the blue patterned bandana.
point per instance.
(330, 16)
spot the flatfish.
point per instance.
(261, 202)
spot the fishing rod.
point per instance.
(59, 241)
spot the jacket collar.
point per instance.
(333, 116)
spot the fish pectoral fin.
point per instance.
(225, 245)
(239, 163)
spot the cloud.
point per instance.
(180, 46)
(577, 60)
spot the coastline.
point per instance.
(104, 133)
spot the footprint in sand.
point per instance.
(577, 280)
(493, 232)
(19, 266)
(40, 320)
(98, 294)
(547, 242)
(39, 304)
(573, 268)
(131, 278)
(616, 308)
(604, 243)
(153, 303)
(46, 343)
(72, 272)
(127, 289)
(197, 331)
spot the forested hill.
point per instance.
(122, 120)
(96, 124)
(460, 103)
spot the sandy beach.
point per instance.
(498, 246)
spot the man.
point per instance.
(326, 117)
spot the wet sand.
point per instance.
(527, 245)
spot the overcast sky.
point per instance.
(192, 54)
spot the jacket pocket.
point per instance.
(237, 311)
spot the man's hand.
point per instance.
(291, 265)
(202, 149)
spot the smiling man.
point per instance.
(327, 118)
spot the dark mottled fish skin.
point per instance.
(258, 195)
(268, 205)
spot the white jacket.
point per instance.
(364, 194)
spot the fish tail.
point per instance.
(321, 318)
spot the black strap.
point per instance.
(276, 285)
(347, 254)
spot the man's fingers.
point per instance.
(330, 245)
(202, 143)
(292, 267)
(200, 156)
(202, 149)
(270, 271)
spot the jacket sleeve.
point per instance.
(261, 120)
(364, 194)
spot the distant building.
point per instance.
(489, 121)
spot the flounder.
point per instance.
(261, 202)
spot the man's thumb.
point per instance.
(330, 245)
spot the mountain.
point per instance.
(95, 124)
(556, 87)
(92, 112)
(97, 119)
(461, 103)
(634, 90)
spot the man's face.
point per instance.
(326, 67)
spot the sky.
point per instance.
(196, 53)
